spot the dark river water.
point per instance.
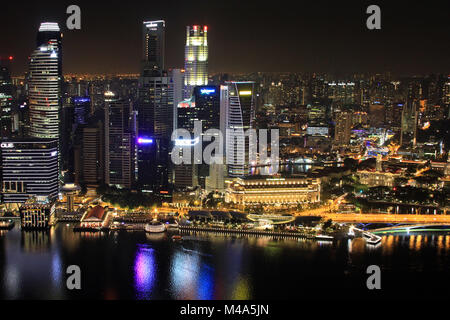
(140, 266)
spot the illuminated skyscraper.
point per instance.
(196, 59)
(119, 142)
(203, 106)
(154, 44)
(343, 129)
(159, 93)
(45, 83)
(237, 111)
(6, 99)
(408, 137)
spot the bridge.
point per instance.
(378, 217)
(413, 228)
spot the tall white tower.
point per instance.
(45, 83)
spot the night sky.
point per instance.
(244, 36)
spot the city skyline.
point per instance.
(224, 151)
(253, 39)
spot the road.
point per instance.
(381, 218)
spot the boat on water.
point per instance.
(177, 238)
(323, 237)
(6, 225)
(155, 227)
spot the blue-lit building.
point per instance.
(82, 109)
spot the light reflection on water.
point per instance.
(144, 272)
(204, 266)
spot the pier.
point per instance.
(249, 232)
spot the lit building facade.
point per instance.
(119, 143)
(154, 44)
(203, 106)
(343, 129)
(93, 159)
(159, 93)
(6, 121)
(158, 96)
(410, 114)
(97, 217)
(196, 58)
(45, 77)
(273, 191)
(237, 113)
(30, 168)
(37, 213)
(7, 102)
(377, 178)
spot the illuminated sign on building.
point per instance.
(208, 91)
(145, 141)
(245, 93)
(82, 100)
(7, 145)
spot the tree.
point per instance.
(327, 224)
(351, 164)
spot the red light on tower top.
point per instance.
(11, 58)
(195, 28)
(205, 29)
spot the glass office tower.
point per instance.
(159, 93)
(154, 44)
(45, 83)
(237, 104)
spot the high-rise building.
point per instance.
(377, 114)
(93, 154)
(207, 106)
(195, 59)
(394, 115)
(155, 125)
(82, 109)
(154, 44)
(318, 117)
(119, 142)
(237, 109)
(343, 129)
(408, 137)
(204, 107)
(446, 92)
(7, 102)
(5, 76)
(159, 93)
(45, 83)
(30, 168)
(342, 92)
